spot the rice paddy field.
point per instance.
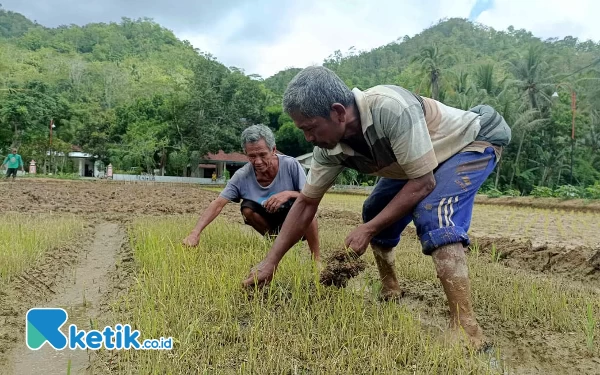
(111, 253)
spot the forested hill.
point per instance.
(464, 64)
(129, 92)
(133, 94)
(14, 24)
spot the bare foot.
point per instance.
(471, 336)
(391, 293)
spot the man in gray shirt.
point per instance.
(268, 186)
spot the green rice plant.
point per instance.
(590, 326)
(495, 254)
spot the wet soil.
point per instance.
(107, 200)
(578, 205)
(581, 263)
(341, 266)
(563, 252)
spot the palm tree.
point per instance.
(532, 79)
(432, 61)
(525, 122)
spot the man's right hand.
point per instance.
(192, 240)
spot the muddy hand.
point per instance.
(260, 275)
(191, 240)
(358, 240)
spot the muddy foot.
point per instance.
(472, 338)
(391, 294)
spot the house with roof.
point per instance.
(233, 161)
(220, 162)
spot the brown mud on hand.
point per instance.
(340, 267)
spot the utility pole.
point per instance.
(573, 107)
(51, 126)
(573, 110)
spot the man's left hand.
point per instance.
(358, 240)
(261, 274)
(274, 202)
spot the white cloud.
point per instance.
(322, 27)
(546, 18)
(314, 30)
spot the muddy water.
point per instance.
(81, 297)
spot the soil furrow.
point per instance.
(81, 295)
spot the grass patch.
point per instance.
(213, 188)
(294, 326)
(515, 297)
(350, 202)
(24, 239)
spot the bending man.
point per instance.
(268, 185)
(433, 159)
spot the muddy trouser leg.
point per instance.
(442, 220)
(383, 243)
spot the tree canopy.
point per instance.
(135, 95)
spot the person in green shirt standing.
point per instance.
(13, 162)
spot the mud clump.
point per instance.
(581, 263)
(340, 267)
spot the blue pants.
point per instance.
(444, 216)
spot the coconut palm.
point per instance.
(432, 62)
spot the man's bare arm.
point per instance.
(295, 225)
(273, 203)
(212, 211)
(413, 192)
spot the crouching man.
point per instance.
(268, 185)
(433, 159)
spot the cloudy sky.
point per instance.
(266, 36)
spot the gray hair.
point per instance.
(255, 133)
(314, 90)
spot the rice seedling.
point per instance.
(296, 324)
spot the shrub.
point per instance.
(542, 192)
(567, 192)
(593, 192)
(494, 193)
(513, 193)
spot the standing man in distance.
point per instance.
(13, 162)
(433, 159)
(267, 185)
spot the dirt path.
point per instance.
(80, 296)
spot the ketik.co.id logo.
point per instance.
(43, 325)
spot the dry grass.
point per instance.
(24, 238)
(294, 326)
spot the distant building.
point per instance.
(220, 162)
(232, 162)
(84, 164)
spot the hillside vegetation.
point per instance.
(135, 95)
